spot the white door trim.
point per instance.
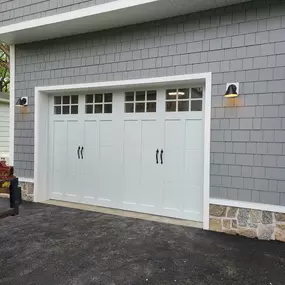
(41, 192)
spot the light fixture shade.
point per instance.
(21, 102)
(231, 91)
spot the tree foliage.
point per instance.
(4, 67)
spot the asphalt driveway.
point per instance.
(48, 245)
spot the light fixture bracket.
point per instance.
(22, 102)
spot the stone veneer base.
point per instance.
(27, 191)
(250, 223)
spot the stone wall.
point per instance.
(27, 191)
(251, 223)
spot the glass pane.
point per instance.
(170, 106)
(151, 107)
(129, 96)
(171, 94)
(108, 108)
(74, 109)
(140, 107)
(65, 99)
(89, 109)
(129, 107)
(65, 110)
(183, 93)
(108, 97)
(140, 96)
(57, 100)
(183, 106)
(151, 95)
(57, 110)
(74, 99)
(197, 92)
(98, 109)
(89, 98)
(196, 105)
(98, 98)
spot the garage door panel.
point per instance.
(174, 134)
(132, 134)
(194, 135)
(194, 166)
(89, 167)
(59, 159)
(193, 204)
(172, 198)
(150, 194)
(107, 133)
(109, 173)
(109, 165)
(74, 141)
(131, 161)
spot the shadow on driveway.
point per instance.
(48, 245)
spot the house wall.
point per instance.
(15, 11)
(4, 129)
(242, 43)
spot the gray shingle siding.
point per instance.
(15, 11)
(242, 43)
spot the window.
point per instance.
(66, 104)
(140, 102)
(183, 100)
(99, 103)
(197, 99)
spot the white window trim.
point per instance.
(41, 192)
(248, 205)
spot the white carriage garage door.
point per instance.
(137, 150)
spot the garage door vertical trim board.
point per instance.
(41, 191)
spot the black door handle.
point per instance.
(157, 152)
(161, 156)
(82, 152)
(78, 150)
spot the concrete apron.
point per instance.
(122, 213)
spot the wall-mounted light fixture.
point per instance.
(22, 102)
(232, 90)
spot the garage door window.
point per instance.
(140, 101)
(184, 100)
(66, 104)
(197, 99)
(99, 103)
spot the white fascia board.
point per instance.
(73, 15)
(114, 14)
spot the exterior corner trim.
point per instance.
(12, 104)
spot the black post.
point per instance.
(15, 195)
